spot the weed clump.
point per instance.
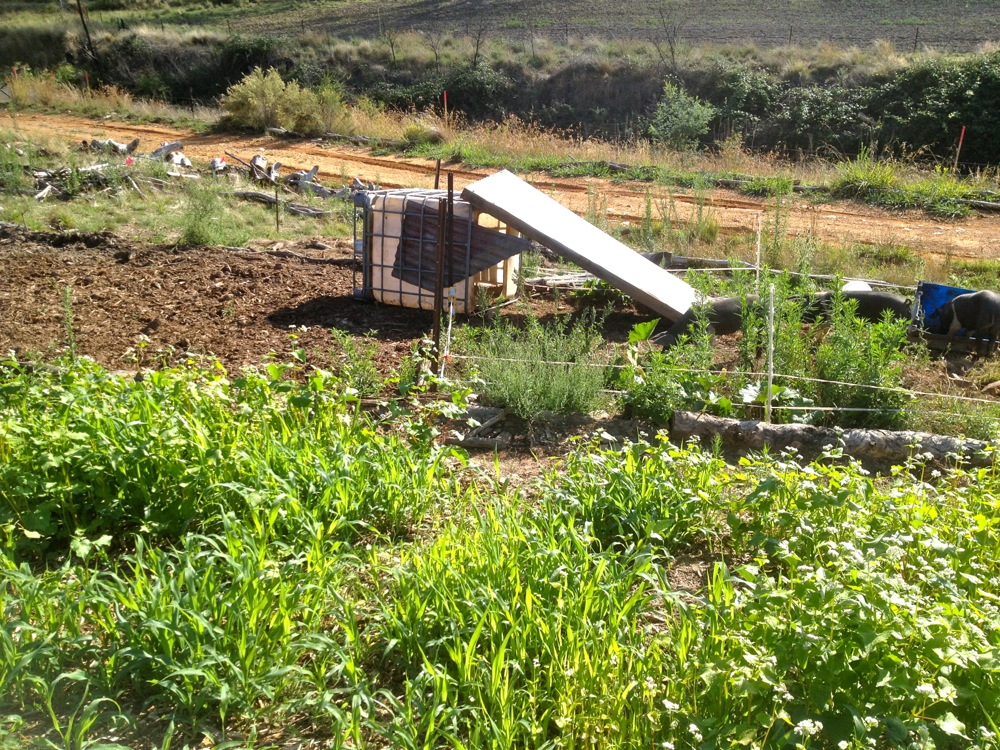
(201, 218)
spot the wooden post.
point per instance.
(439, 284)
(277, 212)
(760, 242)
(916, 38)
(770, 353)
(437, 175)
(961, 139)
(449, 231)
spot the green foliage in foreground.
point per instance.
(86, 453)
(634, 598)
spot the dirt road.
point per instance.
(837, 223)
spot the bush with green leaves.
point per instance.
(264, 100)
(926, 105)
(656, 383)
(544, 367)
(477, 91)
(870, 357)
(681, 120)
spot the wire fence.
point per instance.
(740, 374)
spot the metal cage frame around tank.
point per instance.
(364, 265)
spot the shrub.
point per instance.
(657, 383)
(809, 117)
(556, 367)
(867, 354)
(926, 104)
(264, 100)
(332, 112)
(201, 218)
(746, 97)
(256, 101)
(477, 91)
(681, 120)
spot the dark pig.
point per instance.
(871, 306)
(724, 315)
(976, 312)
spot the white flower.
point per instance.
(695, 732)
(925, 689)
(670, 705)
(808, 728)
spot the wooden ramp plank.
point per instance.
(534, 214)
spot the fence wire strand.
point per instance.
(754, 374)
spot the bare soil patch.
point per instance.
(135, 305)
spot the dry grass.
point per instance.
(44, 91)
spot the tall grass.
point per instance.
(108, 455)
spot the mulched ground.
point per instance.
(136, 305)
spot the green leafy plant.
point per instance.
(354, 362)
(264, 100)
(681, 120)
(869, 356)
(657, 383)
(555, 367)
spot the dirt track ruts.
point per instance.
(835, 223)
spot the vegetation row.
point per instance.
(252, 559)
(796, 101)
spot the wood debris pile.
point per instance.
(65, 182)
(258, 170)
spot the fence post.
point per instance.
(760, 241)
(770, 353)
(439, 283)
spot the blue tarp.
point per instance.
(932, 298)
